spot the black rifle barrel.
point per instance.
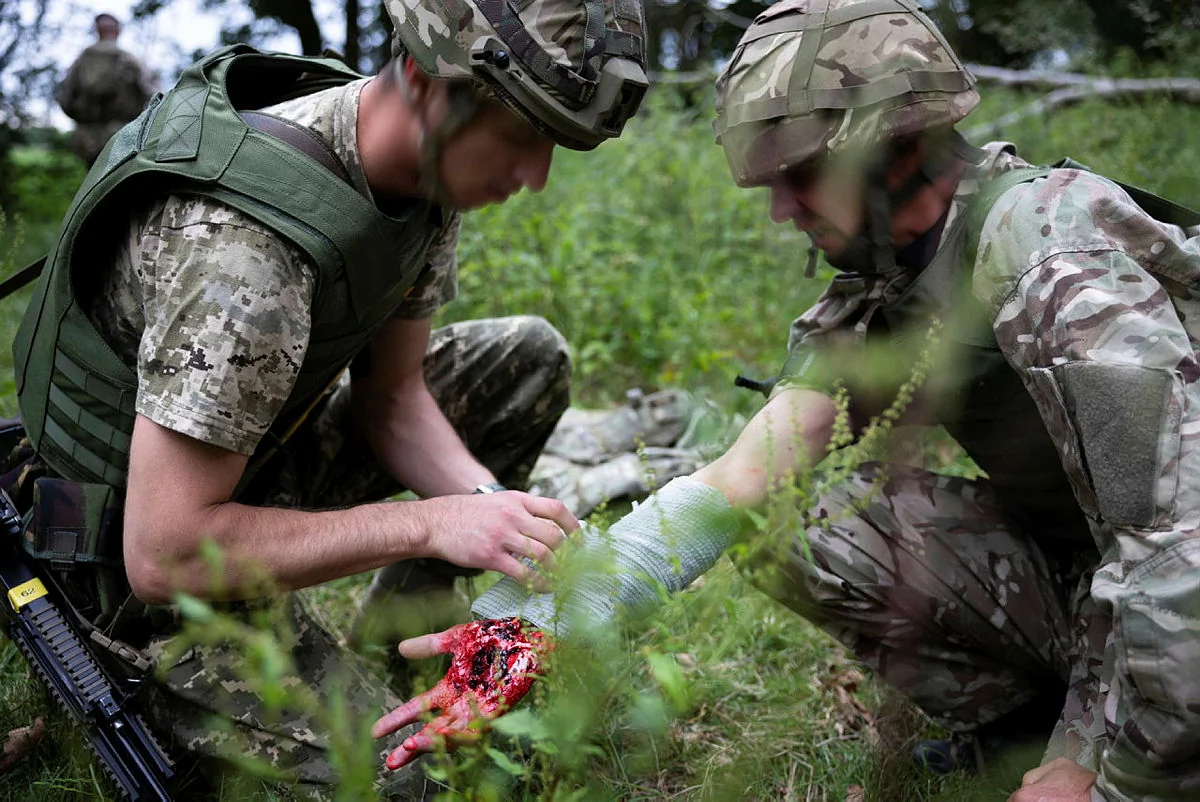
(62, 660)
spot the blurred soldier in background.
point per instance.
(105, 88)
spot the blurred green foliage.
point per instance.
(657, 269)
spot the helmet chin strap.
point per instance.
(462, 101)
(873, 251)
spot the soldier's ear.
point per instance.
(907, 158)
(416, 82)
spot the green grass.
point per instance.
(660, 273)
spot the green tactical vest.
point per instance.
(993, 417)
(76, 396)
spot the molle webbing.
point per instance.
(100, 443)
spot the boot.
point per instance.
(1027, 728)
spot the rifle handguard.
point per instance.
(127, 750)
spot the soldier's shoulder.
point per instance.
(332, 115)
(206, 227)
(183, 210)
(128, 56)
(1066, 210)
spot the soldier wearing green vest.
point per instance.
(231, 345)
(1056, 320)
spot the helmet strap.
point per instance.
(873, 251)
(878, 204)
(462, 101)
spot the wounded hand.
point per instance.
(493, 665)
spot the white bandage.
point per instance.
(668, 541)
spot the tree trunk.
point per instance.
(297, 14)
(352, 50)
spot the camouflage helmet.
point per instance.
(811, 77)
(575, 69)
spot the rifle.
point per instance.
(130, 755)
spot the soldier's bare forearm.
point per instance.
(178, 499)
(236, 551)
(787, 436)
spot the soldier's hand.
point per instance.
(1059, 780)
(493, 665)
(494, 531)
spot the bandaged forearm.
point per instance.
(664, 543)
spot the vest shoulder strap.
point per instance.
(990, 192)
(299, 137)
(1158, 207)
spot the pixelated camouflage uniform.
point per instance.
(973, 596)
(104, 88)
(213, 309)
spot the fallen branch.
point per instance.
(1071, 88)
(1066, 88)
(1187, 89)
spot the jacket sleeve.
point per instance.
(1094, 314)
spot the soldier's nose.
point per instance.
(784, 205)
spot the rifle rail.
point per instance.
(120, 739)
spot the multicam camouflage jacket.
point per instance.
(1096, 308)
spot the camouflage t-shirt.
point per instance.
(214, 309)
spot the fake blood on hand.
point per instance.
(493, 664)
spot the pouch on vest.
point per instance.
(73, 524)
(74, 528)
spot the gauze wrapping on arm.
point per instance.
(669, 540)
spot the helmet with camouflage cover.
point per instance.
(575, 69)
(811, 77)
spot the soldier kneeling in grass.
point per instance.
(1045, 318)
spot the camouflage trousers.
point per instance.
(928, 583)
(503, 385)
